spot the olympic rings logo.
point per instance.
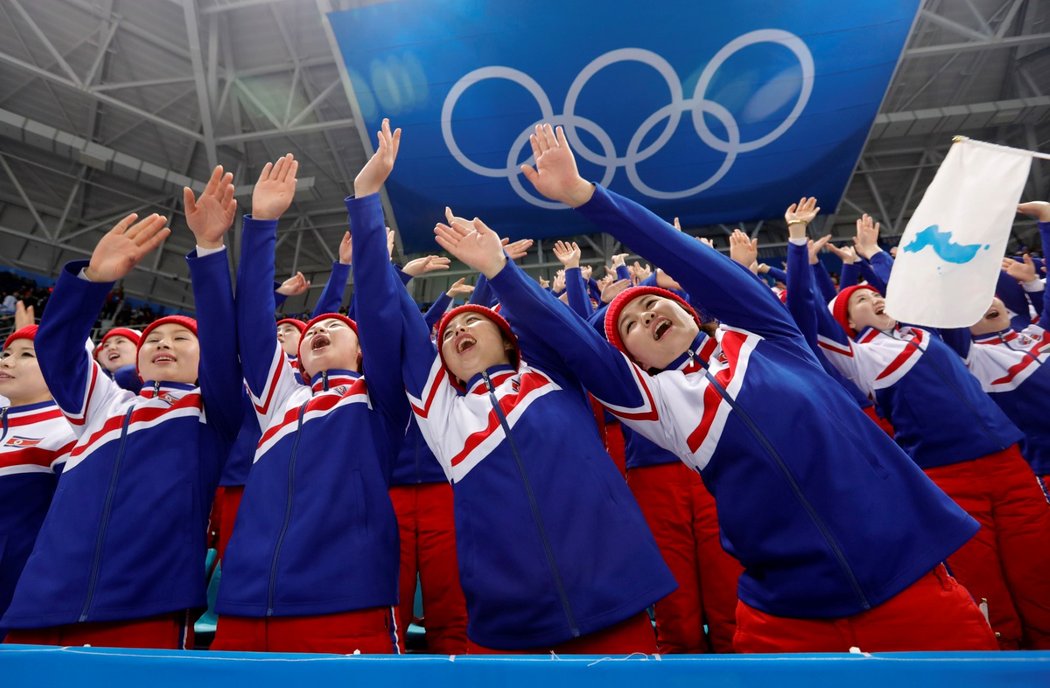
(697, 106)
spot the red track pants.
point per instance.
(368, 631)
(933, 614)
(1008, 561)
(165, 632)
(223, 516)
(681, 513)
(428, 547)
(627, 637)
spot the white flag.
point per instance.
(950, 255)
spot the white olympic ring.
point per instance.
(698, 105)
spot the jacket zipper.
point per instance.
(813, 515)
(535, 507)
(96, 564)
(287, 510)
(3, 421)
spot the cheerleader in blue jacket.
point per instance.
(313, 560)
(118, 561)
(554, 554)
(840, 535)
(960, 438)
(35, 440)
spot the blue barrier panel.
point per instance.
(40, 667)
(710, 110)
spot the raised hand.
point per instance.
(559, 281)
(294, 286)
(677, 225)
(474, 244)
(666, 281)
(815, 247)
(122, 247)
(375, 172)
(743, 249)
(346, 249)
(1039, 210)
(799, 215)
(618, 259)
(458, 288)
(544, 283)
(389, 242)
(24, 316)
(567, 253)
(516, 250)
(706, 242)
(275, 188)
(867, 240)
(421, 266)
(846, 254)
(556, 175)
(641, 272)
(610, 291)
(1021, 271)
(210, 215)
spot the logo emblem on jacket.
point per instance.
(16, 441)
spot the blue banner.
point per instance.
(708, 110)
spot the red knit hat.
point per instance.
(27, 332)
(319, 318)
(491, 314)
(134, 336)
(839, 306)
(297, 324)
(616, 306)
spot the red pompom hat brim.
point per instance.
(27, 332)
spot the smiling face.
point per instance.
(329, 344)
(995, 319)
(289, 335)
(471, 343)
(656, 330)
(867, 308)
(20, 378)
(170, 353)
(117, 352)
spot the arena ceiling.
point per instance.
(110, 106)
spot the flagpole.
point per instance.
(998, 147)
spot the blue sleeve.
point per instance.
(483, 295)
(822, 280)
(256, 327)
(128, 378)
(579, 301)
(219, 372)
(802, 302)
(278, 299)
(436, 310)
(65, 326)
(593, 292)
(402, 275)
(1044, 310)
(380, 323)
(814, 319)
(331, 299)
(777, 274)
(622, 273)
(958, 340)
(873, 275)
(728, 291)
(849, 275)
(600, 367)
